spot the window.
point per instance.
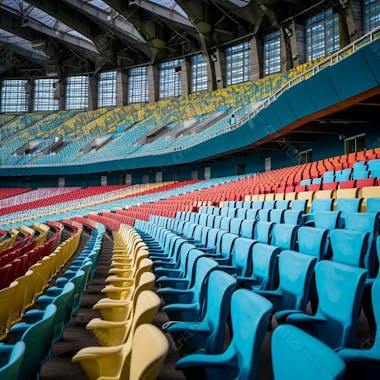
(355, 143)
(107, 89)
(44, 95)
(170, 79)
(13, 96)
(77, 93)
(272, 54)
(306, 156)
(198, 73)
(371, 14)
(238, 63)
(322, 35)
(138, 85)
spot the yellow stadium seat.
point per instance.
(307, 195)
(290, 196)
(119, 310)
(261, 197)
(114, 362)
(270, 197)
(7, 308)
(324, 194)
(279, 197)
(368, 192)
(346, 193)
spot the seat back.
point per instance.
(242, 213)
(282, 205)
(11, 358)
(247, 228)
(204, 266)
(38, 339)
(313, 241)
(348, 205)
(225, 224)
(295, 272)
(293, 217)
(373, 205)
(277, 215)
(299, 205)
(264, 264)
(218, 221)
(327, 219)
(349, 247)
(236, 226)
(321, 205)
(250, 314)
(262, 232)
(219, 291)
(294, 354)
(225, 245)
(251, 214)
(64, 310)
(284, 236)
(340, 288)
(257, 205)
(149, 350)
(263, 215)
(146, 308)
(242, 255)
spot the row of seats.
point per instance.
(21, 294)
(138, 348)
(51, 313)
(200, 310)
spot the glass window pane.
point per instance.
(170, 79)
(77, 93)
(272, 54)
(238, 63)
(198, 73)
(44, 95)
(107, 89)
(371, 14)
(13, 96)
(138, 85)
(322, 34)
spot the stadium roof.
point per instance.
(65, 37)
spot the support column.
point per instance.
(29, 89)
(60, 93)
(350, 21)
(121, 88)
(220, 68)
(153, 83)
(285, 50)
(93, 84)
(186, 76)
(211, 76)
(297, 43)
(257, 65)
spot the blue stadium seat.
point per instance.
(340, 288)
(263, 232)
(37, 336)
(372, 354)
(241, 257)
(349, 247)
(247, 204)
(293, 217)
(250, 314)
(241, 213)
(348, 205)
(298, 355)
(299, 205)
(257, 205)
(235, 226)
(252, 214)
(11, 360)
(264, 259)
(313, 241)
(263, 215)
(225, 224)
(328, 177)
(284, 236)
(283, 205)
(295, 273)
(373, 205)
(207, 334)
(328, 220)
(305, 182)
(269, 204)
(277, 215)
(187, 304)
(224, 248)
(248, 228)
